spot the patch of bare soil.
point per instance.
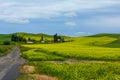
(69, 61)
(43, 77)
(27, 69)
(30, 69)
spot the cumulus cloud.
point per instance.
(71, 24)
(22, 11)
(104, 21)
(70, 14)
(83, 33)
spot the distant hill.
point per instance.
(104, 40)
(106, 34)
(4, 37)
(113, 39)
(38, 36)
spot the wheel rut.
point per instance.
(9, 64)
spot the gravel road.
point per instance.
(9, 64)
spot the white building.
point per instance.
(30, 42)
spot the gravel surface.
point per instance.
(9, 64)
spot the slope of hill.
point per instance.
(106, 34)
(4, 37)
(112, 40)
(32, 36)
(37, 37)
(106, 40)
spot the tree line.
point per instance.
(56, 38)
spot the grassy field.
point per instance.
(101, 55)
(4, 37)
(83, 48)
(76, 71)
(37, 37)
(4, 49)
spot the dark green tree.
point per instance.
(55, 38)
(29, 39)
(41, 39)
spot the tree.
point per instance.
(55, 38)
(14, 38)
(24, 40)
(41, 39)
(29, 39)
(63, 40)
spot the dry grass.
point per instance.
(27, 69)
(43, 77)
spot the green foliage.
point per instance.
(4, 50)
(83, 49)
(6, 43)
(79, 71)
(100, 47)
(34, 55)
(5, 37)
(106, 34)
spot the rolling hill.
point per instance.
(105, 40)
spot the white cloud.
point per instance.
(18, 21)
(24, 10)
(104, 21)
(83, 33)
(70, 14)
(71, 24)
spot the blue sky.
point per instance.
(65, 17)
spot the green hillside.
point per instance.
(93, 57)
(106, 40)
(106, 34)
(4, 37)
(112, 40)
(37, 37)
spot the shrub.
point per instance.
(6, 43)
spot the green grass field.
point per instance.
(4, 49)
(95, 57)
(83, 48)
(103, 50)
(77, 71)
(4, 37)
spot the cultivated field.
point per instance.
(5, 48)
(86, 58)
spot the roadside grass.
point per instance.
(32, 55)
(82, 48)
(78, 71)
(4, 50)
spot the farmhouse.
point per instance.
(30, 42)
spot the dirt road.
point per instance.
(9, 64)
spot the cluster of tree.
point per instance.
(57, 38)
(33, 40)
(16, 38)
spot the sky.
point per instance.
(65, 17)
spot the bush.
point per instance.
(6, 43)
